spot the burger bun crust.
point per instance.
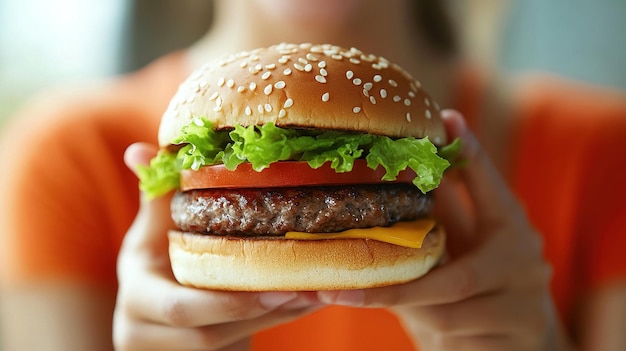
(305, 86)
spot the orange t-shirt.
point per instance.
(67, 199)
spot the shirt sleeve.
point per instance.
(67, 198)
(571, 173)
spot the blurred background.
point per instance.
(51, 42)
(44, 43)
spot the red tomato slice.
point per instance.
(283, 174)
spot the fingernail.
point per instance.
(345, 298)
(271, 300)
(300, 302)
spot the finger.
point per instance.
(454, 211)
(465, 277)
(147, 234)
(139, 154)
(146, 241)
(149, 336)
(487, 189)
(178, 305)
(486, 314)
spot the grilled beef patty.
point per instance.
(275, 211)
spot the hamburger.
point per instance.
(300, 167)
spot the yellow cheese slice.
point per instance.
(409, 234)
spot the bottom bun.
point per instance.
(264, 264)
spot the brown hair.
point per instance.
(435, 21)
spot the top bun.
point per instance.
(305, 86)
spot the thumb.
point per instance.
(148, 232)
(139, 154)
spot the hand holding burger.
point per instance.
(154, 312)
(301, 167)
(493, 292)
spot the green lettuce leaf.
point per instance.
(201, 145)
(161, 176)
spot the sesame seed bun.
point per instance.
(309, 86)
(301, 86)
(245, 264)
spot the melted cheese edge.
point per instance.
(409, 234)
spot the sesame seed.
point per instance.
(260, 108)
(437, 106)
(396, 98)
(407, 102)
(244, 64)
(383, 93)
(366, 92)
(268, 107)
(428, 115)
(204, 84)
(268, 89)
(321, 64)
(280, 84)
(303, 60)
(411, 94)
(283, 59)
(355, 60)
(408, 116)
(287, 71)
(356, 109)
(241, 89)
(356, 81)
(288, 103)
(258, 67)
(221, 81)
(298, 66)
(393, 83)
(248, 111)
(311, 57)
(197, 121)
(270, 66)
(218, 101)
(266, 75)
(349, 74)
(437, 140)
(336, 57)
(368, 58)
(308, 67)
(230, 83)
(427, 101)
(356, 51)
(217, 108)
(282, 113)
(320, 79)
(252, 86)
(213, 96)
(368, 86)
(323, 72)
(373, 100)
(325, 97)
